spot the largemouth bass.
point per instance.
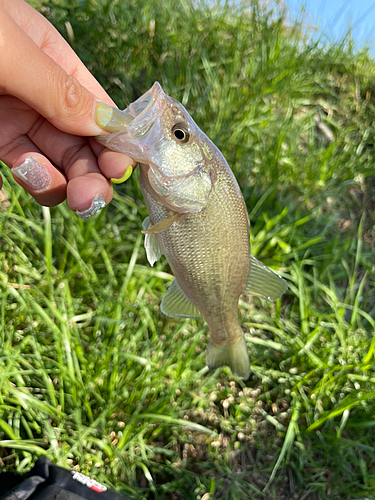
(197, 219)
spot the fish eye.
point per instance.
(181, 132)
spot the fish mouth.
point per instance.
(146, 109)
(135, 131)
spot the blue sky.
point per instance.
(334, 16)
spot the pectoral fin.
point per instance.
(263, 282)
(163, 225)
(153, 251)
(176, 305)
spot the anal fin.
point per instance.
(176, 305)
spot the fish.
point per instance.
(197, 219)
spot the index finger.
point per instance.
(29, 74)
(49, 40)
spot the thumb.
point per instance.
(29, 74)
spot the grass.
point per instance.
(94, 376)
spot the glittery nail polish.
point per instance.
(32, 173)
(96, 205)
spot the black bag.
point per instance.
(47, 481)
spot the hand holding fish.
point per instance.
(49, 106)
(197, 219)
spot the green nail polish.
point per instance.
(125, 177)
(111, 119)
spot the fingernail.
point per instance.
(111, 119)
(96, 205)
(125, 177)
(33, 174)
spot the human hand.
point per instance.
(50, 108)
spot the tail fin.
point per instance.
(234, 355)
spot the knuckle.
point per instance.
(72, 154)
(75, 100)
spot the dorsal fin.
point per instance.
(263, 282)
